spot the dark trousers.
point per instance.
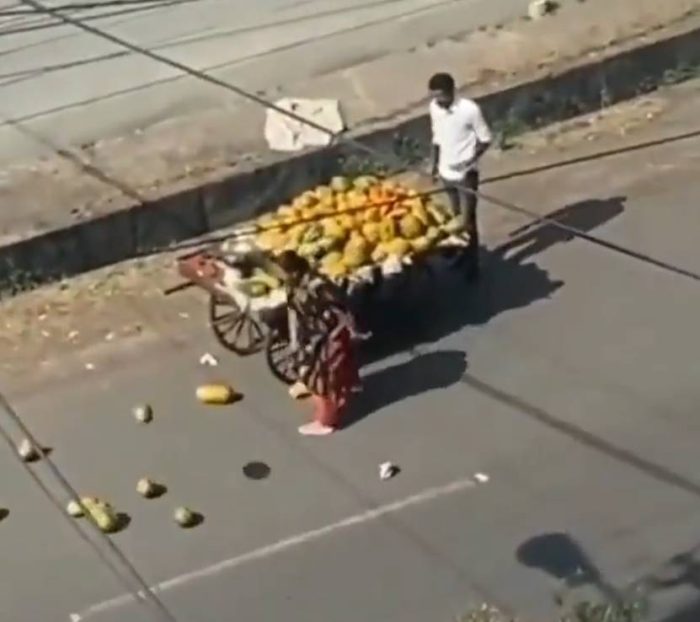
(464, 205)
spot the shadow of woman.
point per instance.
(420, 374)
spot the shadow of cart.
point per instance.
(431, 307)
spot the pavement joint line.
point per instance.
(420, 498)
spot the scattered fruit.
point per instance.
(104, 515)
(28, 451)
(74, 509)
(147, 488)
(143, 413)
(218, 394)
(185, 517)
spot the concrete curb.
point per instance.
(155, 226)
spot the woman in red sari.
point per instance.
(326, 334)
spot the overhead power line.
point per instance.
(337, 137)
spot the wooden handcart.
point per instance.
(246, 325)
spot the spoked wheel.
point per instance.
(280, 359)
(234, 328)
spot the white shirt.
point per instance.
(457, 130)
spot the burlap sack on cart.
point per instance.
(285, 134)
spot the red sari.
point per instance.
(333, 377)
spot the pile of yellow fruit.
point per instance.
(349, 224)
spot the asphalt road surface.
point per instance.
(62, 86)
(568, 377)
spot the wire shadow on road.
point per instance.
(599, 155)
(421, 374)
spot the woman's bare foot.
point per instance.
(315, 429)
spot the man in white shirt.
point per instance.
(460, 137)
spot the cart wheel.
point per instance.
(234, 328)
(280, 360)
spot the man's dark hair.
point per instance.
(442, 82)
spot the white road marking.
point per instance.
(420, 498)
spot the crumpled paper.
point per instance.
(283, 133)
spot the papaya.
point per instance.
(398, 247)
(411, 227)
(215, 394)
(340, 184)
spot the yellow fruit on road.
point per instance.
(105, 518)
(215, 394)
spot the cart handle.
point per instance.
(178, 288)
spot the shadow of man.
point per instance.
(536, 237)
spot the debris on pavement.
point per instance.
(143, 413)
(216, 394)
(208, 360)
(186, 518)
(482, 478)
(299, 391)
(387, 470)
(283, 133)
(89, 366)
(256, 470)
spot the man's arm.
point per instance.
(483, 133)
(434, 147)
